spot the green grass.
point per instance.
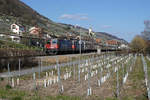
(139, 73)
(1, 79)
(148, 66)
(11, 94)
(128, 98)
(8, 87)
(63, 98)
(10, 44)
(111, 99)
(136, 76)
(136, 80)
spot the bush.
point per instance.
(1, 79)
(16, 98)
(8, 86)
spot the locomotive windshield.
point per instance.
(54, 41)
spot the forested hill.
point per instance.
(15, 11)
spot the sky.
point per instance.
(122, 18)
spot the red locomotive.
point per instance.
(55, 46)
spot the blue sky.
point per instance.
(122, 18)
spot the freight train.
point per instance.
(60, 46)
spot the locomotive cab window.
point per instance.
(54, 41)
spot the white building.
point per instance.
(35, 31)
(15, 39)
(17, 29)
(2, 35)
(48, 36)
(123, 46)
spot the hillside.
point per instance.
(15, 11)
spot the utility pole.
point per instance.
(59, 80)
(8, 72)
(80, 43)
(79, 56)
(39, 63)
(117, 91)
(19, 68)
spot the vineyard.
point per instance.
(93, 77)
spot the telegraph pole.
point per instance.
(80, 55)
(80, 42)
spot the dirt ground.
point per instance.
(135, 86)
(73, 88)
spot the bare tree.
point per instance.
(146, 33)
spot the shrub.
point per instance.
(8, 86)
(1, 79)
(17, 98)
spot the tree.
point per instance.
(142, 43)
(138, 44)
(146, 33)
